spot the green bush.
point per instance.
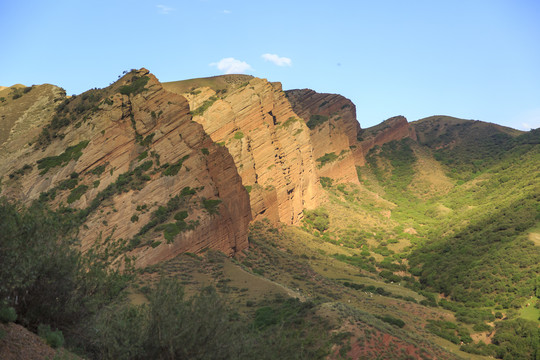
(211, 205)
(71, 153)
(7, 314)
(76, 193)
(326, 182)
(137, 86)
(54, 339)
(188, 191)
(316, 120)
(326, 159)
(318, 218)
(205, 105)
(182, 215)
(172, 170)
(393, 321)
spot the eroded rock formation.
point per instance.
(331, 119)
(147, 180)
(270, 144)
(395, 128)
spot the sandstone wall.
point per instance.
(269, 143)
(335, 132)
(395, 128)
(123, 132)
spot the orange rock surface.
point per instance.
(269, 143)
(123, 132)
(334, 133)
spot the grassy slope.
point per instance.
(289, 262)
(475, 239)
(215, 83)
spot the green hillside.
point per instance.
(433, 254)
(473, 248)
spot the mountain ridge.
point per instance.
(233, 182)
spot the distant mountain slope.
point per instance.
(469, 146)
(410, 240)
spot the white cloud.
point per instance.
(277, 60)
(163, 9)
(529, 119)
(227, 11)
(232, 66)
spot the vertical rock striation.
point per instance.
(142, 161)
(395, 128)
(331, 119)
(269, 143)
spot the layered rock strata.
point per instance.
(395, 128)
(270, 144)
(148, 181)
(331, 119)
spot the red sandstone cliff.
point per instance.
(395, 128)
(333, 131)
(270, 145)
(140, 148)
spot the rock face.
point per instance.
(331, 119)
(148, 181)
(23, 111)
(270, 145)
(395, 128)
(150, 170)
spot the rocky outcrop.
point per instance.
(270, 145)
(331, 119)
(147, 180)
(23, 112)
(395, 128)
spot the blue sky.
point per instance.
(472, 59)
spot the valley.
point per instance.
(226, 218)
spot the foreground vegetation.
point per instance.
(472, 246)
(49, 287)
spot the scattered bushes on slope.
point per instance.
(317, 219)
(172, 326)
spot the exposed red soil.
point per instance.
(21, 344)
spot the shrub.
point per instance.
(137, 86)
(205, 105)
(98, 170)
(172, 170)
(393, 321)
(326, 158)
(326, 182)
(317, 218)
(76, 193)
(289, 122)
(212, 205)
(187, 191)
(147, 141)
(7, 314)
(142, 155)
(182, 215)
(238, 135)
(54, 339)
(316, 120)
(71, 153)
